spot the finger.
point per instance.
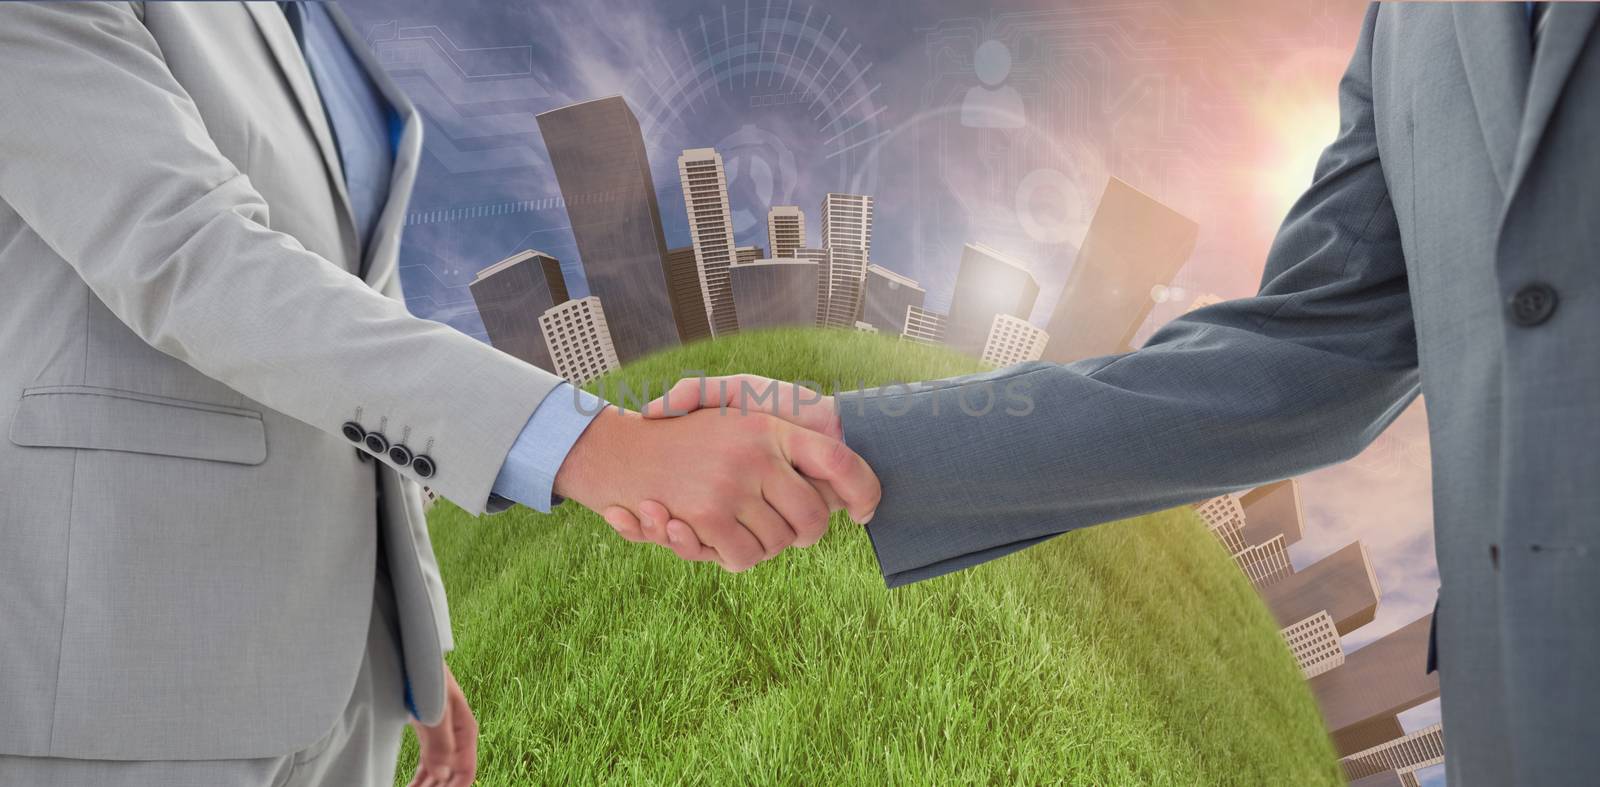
(800, 505)
(424, 775)
(464, 767)
(687, 548)
(624, 522)
(739, 548)
(835, 503)
(683, 541)
(436, 746)
(654, 522)
(769, 527)
(826, 459)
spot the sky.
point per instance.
(967, 120)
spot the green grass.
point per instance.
(1132, 653)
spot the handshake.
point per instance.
(730, 470)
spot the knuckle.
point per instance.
(839, 457)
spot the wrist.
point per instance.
(591, 466)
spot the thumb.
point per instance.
(823, 458)
(685, 396)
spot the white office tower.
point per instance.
(1405, 755)
(1013, 340)
(579, 340)
(1265, 563)
(786, 230)
(1315, 644)
(847, 222)
(866, 327)
(705, 200)
(847, 272)
(1224, 517)
(923, 326)
(820, 257)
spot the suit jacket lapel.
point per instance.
(382, 259)
(1494, 42)
(1565, 34)
(292, 64)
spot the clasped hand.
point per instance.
(713, 477)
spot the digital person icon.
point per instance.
(992, 104)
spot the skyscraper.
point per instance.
(1273, 510)
(599, 159)
(1266, 563)
(1315, 644)
(705, 200)
(847, 269)
(1133, 244)
(511, 294)
(847, 221)
(1013, 340)
(820, 257)
(786, 230)
(886, 296)
(774, 293)
(1384, 678)
(747, 254)
(987, 284)
(1342, 584)
(579, 339)
(688, 299)
(1224, 517)
(1406, 754)
(923, 326)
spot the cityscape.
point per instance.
(1360, 693)
(646, 296)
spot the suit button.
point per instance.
(353, 432)
(422, 465)
(400, 455)
(1533, 304)
(377, 443)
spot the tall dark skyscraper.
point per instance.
(599, 158)
(688, 301)
(886, 297)
(774, 293)
(511, 294)
(988, 283)
(1133, 244)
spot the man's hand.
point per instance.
(741, 479)
(733, 395)
(448, 750)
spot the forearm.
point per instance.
(976, 468)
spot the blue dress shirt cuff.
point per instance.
(529, 473)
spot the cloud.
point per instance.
(1383, 499)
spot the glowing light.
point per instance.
(1298, 115)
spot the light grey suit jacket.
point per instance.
(1462, 179)
(187, 542)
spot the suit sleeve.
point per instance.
(1304, 374)
(104, 156)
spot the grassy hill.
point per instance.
(1132, 653)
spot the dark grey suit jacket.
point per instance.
(1449, 243)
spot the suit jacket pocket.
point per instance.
(111, 419)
